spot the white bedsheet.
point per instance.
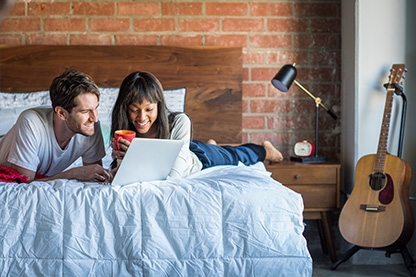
(223, 221)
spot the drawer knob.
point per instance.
(297, 176)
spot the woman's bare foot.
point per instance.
(211, 141)
(272, 154)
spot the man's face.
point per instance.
(82, 117)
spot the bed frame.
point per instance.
(212, 76)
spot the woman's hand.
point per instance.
(123, 146)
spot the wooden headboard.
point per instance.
(211, 75)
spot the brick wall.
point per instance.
(271, 32)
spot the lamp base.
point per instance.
(312, 159)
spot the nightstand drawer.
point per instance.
(317, 197)
(305, 175)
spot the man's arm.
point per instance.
(83, 173)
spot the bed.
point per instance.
(222, 221)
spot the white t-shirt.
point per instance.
(31, 144)
(187, 162)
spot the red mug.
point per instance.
(125, 134)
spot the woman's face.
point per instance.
(143, 116)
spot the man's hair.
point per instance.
(66, 87)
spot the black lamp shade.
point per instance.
(285, 77)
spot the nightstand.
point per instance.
(318, 183)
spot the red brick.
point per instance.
(64, 24)
(20, 25)
(109, 24)
(326, 25)
(287, 25)
(244, 138)
(253, 57)
(198, 25)
(271, 9)
(16, 9)
(184, 40)
(48, 8)
(326, 57)
(242, 25)
(287, 57)
(327, 122)
(246, 74)
(90, 39)
(221, 9)
(263, 74)
(271, 106)
(326, 90)
(305, 106)
(154, 24)
(306, 135)
(137, 39)
(254, 90)
(319, 74)
(253, 122)
(145, 8)
(277, 138)
(226, 40)
(313, 41)
(11, 39)
(271, 41)
(95, 8)
(290, 122)
(316, 10)
(46, 39)
(245, 106)
(181, 8)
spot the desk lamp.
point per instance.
(282, 81)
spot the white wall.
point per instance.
(375, 35)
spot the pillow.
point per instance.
(12, 104)
(175, 99)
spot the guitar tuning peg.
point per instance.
(405, 70)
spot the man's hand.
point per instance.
(89, 172)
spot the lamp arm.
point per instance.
(318, 100)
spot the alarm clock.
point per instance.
(304, 149)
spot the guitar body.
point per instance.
(379, 217)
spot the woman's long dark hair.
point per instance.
(137, 87)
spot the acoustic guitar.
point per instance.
(378, 213)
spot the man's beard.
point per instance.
(76, 127)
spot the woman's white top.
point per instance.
(187, 162)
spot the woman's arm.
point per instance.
(186, 163)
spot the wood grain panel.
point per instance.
(212, 76)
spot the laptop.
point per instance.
(147, 160)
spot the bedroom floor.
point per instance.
(322, 262)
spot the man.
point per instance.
(46, 141)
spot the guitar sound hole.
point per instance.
(377, 181)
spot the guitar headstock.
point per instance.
(396, 73)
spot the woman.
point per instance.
(141, 107)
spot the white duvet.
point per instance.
(222, 221)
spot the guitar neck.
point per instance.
(384, 133)
(396, 74)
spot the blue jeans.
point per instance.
(212, 155)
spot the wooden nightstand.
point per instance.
(319, 186)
